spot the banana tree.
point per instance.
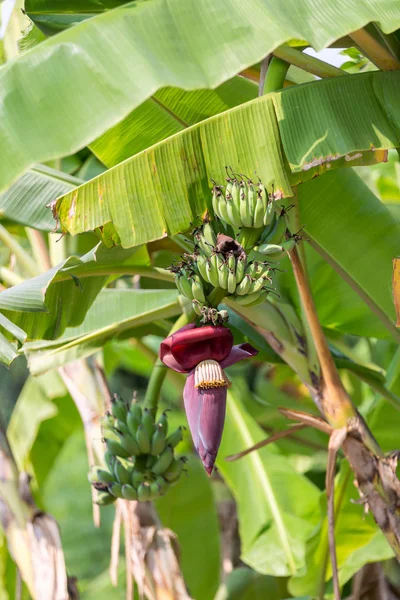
(183, 187)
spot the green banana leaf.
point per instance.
(66, 495)
(8, 350)
(173, 177)
(42, 420)
(275, 518)
(114, 313)
(53, 16)
(245, 584)
(108, 64)
(45, 305)
(356, 234)
(26, 200)
(169, 111)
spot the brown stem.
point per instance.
(336, 404)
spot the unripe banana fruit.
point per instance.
(139, 452)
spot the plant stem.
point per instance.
(377, 54)
(23, 258)
(276, 74)
(317, 67)
(39, 248)
(337, 406)
(160, 370)
(9, 277)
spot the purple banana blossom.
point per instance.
(203, 353)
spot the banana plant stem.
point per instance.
(339, 408)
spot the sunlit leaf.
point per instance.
(173, 177)
(108, 64)
(114, 313)
(275, 518)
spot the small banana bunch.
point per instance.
(243, 203)
(274, 243)
(140, 455)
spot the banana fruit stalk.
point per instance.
(140, 456)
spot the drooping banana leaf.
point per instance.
(108, 64)
(26, 200)
(173, 177)
(45, 305)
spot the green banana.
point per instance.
(270, 213)
(276, 252)
(116, 449)
(256, 285)
(121, 427)
(248, 299)
(236, 196)
(150, 461)
(157, 442)
(129, 444)
(261, 298)
(202, 262)
(148, 422)
(223, 209)
(231, 281)
(223, 273)
(104, 498)
(108, 422)
(260, 209)
(245, 210)
(176, 437)
(163, 423)
(233, 213)
(162, 484)
(143, 492)
(278, 232)
(197, 306)
(154, 490)
(143, 439)
(116, 490)
(123, 475)
(186, 286)
(99, 474)
(119, 408)
(251, 269)
(134, 419)
(174, 471)
(244, 285)
(137, 478)
(209, 235)
(163, 461)
(129, 492)
(216, 193)
(109, 460)
(197, 290)
(212, 271)
(240, 268)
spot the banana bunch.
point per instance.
(243, 203)
(251, 286)
(140, 455)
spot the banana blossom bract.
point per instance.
(204, 353)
